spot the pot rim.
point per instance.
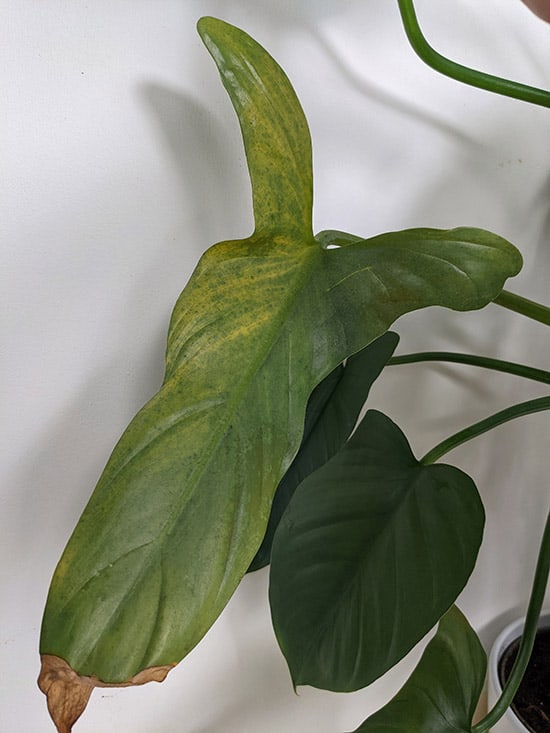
(510, 632)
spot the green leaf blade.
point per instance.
(190, 482)
(273, 125)
(462, 269)
(443, 691)
(371, 551)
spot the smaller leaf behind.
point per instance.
(442, 693)
(373, 548)
(331, 415)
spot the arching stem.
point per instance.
(498, 365)
(462, 73)
(524, 306)
(523, 408)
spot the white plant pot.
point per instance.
(509, 723)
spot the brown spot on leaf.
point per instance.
(68, 692)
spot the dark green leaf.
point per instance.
(373, 548)
(331, 414)
(442, 693)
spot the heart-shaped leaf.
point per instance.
(442, 693)
(331, 414)
(373, 548)
(183, 503)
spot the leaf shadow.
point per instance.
(202, 152)
(378, 95)
(309, 16)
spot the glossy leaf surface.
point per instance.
(182, 505)
(373, 548)
(442, 693)
(331, 415)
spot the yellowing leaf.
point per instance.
(182, 505)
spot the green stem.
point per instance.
(520, 370)
(463, 73)
(529, 308)
(519, 410)
(527, 639)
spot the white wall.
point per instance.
(121, 163)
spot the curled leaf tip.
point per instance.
(68, 693)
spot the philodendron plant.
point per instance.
(244, 456)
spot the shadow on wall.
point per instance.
(79, 429)
(377, 94)
(383, 18)
(197, 145)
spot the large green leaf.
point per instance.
(182, 505)
(373, 548)
(331, 414)
(442, 693)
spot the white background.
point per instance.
(121, 163)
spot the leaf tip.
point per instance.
(208, 25)
(68, 692)
(202, 24)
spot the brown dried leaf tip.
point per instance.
(68, 692)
